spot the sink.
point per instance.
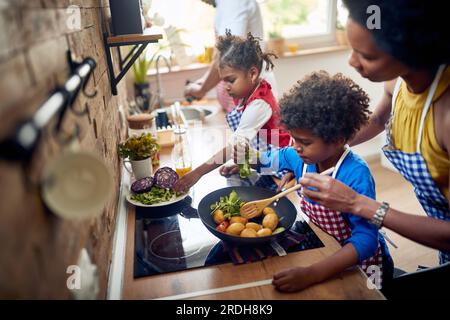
(196, 112)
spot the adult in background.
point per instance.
(240, 17)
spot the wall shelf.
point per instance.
(139, 43)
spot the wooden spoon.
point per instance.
(255, 208)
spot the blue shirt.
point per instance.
(355, 173)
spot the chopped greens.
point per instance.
(155, 195)
(230, 205)
(245, 169)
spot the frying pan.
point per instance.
(285, 210)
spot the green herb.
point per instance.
(278, 230)
(155, 195)
(245, 169)
(139, 147)
(230, 205)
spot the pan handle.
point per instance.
(188, 212)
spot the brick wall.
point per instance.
(36, 247)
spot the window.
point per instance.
(194, 18)
(309, 22)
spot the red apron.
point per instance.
(335, 225)
(274, 130)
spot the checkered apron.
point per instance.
(414, 168)
(265, 181)
(335, 225)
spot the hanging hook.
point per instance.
(81, 112)
(64, 138)
(88, 95)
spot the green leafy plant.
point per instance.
(339, 25)
(274, 35)
(286, 12)
(140, 69)
(139, 147)
(143, 64)
(275, 32)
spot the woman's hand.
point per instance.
(187, 181)
(194, 90)
(227, 171)
(286, 178)
(330, 193)
(295, 279)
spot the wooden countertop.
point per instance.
(228, 281)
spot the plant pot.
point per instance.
(140, 168)
(276, 46)
(341, 37)
(142, 95)
(126, 17)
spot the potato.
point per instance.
(248, 233)
(268, 210)
(264, 232)
(238, 219)
(218, 216)
(235, 228)
(270, 221)
(253, 225)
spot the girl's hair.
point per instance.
(331, 107)
(415, 32)
(242, 53)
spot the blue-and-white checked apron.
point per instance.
(414, 168)
(265, 181)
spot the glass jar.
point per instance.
(181, 154)
(141, 123)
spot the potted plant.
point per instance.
(141, 85)
(276, 44)
(142, 153)
(341, 34)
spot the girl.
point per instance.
(255, 116)
(322, 113)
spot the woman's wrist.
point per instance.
(364, 207)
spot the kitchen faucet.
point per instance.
(159, 91)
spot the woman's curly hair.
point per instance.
(415, 32)
(331, 107)
(242, 53)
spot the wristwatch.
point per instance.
(380, 214)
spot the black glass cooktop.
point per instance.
(173, 238)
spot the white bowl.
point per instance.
(76, 185)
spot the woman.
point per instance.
(412, 49)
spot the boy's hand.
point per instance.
(227, 171)
(286, 178)
(295, 279)
(187, 181)
(242, 149)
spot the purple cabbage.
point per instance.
(142, 185)
(165, 177)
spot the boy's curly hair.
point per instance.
(332, 107)
(242, 53)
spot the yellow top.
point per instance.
(405, 128)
